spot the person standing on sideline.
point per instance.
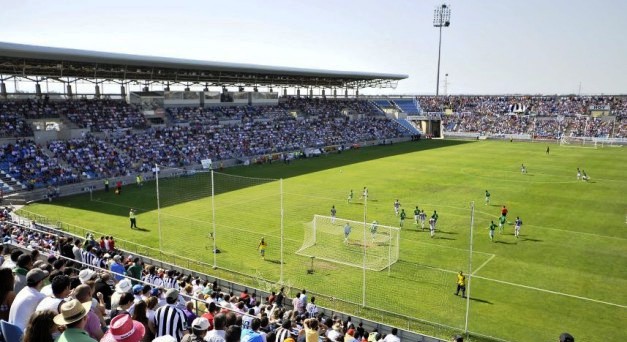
(333, 212)
(262, 248)
(403, 215)
(487, 198)
(138, 179)
(131, 216)
(547, 150)
(502, 221)
(347, 231)
(492, 228)
(106, 184)
(461, 284)
(118, 187)
(517, 225)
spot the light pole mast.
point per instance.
(441, 18)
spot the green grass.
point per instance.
(565, 273)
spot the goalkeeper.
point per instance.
(373, 229)
(347, 231)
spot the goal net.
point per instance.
(370, 245)
(585, 142)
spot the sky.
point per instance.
(491, 46)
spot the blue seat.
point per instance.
(10, 332)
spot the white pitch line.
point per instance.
(484, 263)
(552, 292)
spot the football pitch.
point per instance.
(566, 271)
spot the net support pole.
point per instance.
(364, 256)
(158, 204)
(281, 199)
(472, 222)
(213, 220)
(390, 254)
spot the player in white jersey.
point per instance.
(523, 168)
(423, 218)
(333, 212)
(517, 225)
(432, 226)
(397, 207)
(578, 174)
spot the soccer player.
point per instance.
(262, 248)
(584, 176)
(364, 194)
(416, 215)
(423, 218)
(432, 226)
(487, 197)
(578, 174)
(547, 150)
(492, 228)
(435, 218)
(397, 206)
(350, 196)
(403, 215)
(502, 221)
(461, 284)
(333, 212)
(517, 225)
(139, 180)
(523, 168)
(373, 229)
(347, 231)
(504, 211)
(132, 218)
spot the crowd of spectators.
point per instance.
(538, 105)
(50, 279)
(25, 161)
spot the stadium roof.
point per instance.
(30, 61)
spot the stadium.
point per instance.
(315, 204)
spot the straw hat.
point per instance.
(72, 311)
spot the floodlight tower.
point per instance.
(441, 18)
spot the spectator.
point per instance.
(24, 264)
(170, 320)
(199, 330)
(28, 298)
(7, 295)
(41, 327)
(392, 336)
(60, 290)
(217, 334)
(124, 329)
(74, 316)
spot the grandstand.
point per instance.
(65, 144)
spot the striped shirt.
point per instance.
(88, 258)
(170, 320)
(153, 280)
(282, 334)
(170, 283)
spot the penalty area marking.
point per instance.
(517, 180)
(481, 266)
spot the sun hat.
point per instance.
(85, 275)
(117, 258)
(164, 338)
(124, 329)
(72, 311)
(124, 286)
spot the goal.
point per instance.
(585, 142)
(370, 245)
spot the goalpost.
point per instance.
(368, 245)
(582, 142)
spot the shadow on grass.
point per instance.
(532, 240)
(443, 232)
(443, 238)
(504, 242)
(278, 262)
(198, 186)
(480, 300)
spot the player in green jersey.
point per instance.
(487, 197)
(403, 215)
(492, 228)
(502, 221)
